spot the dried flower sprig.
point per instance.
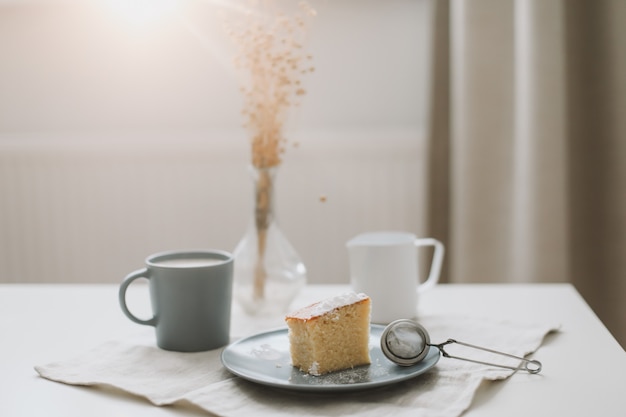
(271, 53)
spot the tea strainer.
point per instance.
(406, 343)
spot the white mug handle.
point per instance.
(435, 266)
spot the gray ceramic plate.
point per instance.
(264, 358)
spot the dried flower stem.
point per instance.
(262, 215)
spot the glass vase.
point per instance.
(268, 271)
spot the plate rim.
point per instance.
(284, 384)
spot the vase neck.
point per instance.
(263, 184)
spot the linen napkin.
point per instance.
(165, 377)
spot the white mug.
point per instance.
(384, 266)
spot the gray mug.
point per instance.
(190, 293)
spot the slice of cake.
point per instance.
(331, 335)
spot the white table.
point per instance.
(584, 368)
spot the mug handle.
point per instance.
(141, 273)
(435, 266)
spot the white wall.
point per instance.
(82, 66)
(117, 139)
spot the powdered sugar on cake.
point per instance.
(314, 369)
(325, 306)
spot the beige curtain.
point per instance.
(528, 145)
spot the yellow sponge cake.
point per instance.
(331, 335)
